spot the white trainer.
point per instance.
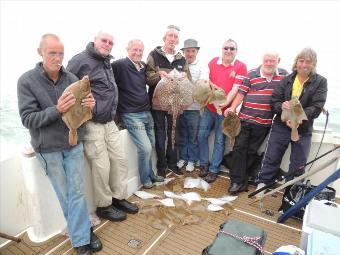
(260, 186)
(190, 166)
(181, 163)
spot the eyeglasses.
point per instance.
(105, 41)
(230, 48)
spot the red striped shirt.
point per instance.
(256, 107)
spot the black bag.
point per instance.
(230, 240)
(295, 192)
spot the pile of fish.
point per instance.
(295, 114)
(206, 92)
(77, 114)
(173, 94)
(166, 209)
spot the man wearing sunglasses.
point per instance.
(101, 142)
(227, 73)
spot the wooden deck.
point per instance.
(179, 239)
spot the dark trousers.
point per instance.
(278, 142)
(163, 128)
(245, 150)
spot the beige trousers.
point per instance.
(105, 154)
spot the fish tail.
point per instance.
(294, 135)
(72, 137)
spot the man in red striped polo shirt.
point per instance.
(225, 72)
(256, 117)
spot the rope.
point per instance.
(252, 241)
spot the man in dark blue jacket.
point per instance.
(41, 103)
(134, 108)
(102, 142)
(311, 89)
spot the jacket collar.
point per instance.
(93, 53)
(159, 49)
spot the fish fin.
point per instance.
(294, 135)
(72, 137)
(231, 142)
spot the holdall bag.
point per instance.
(237, 238)
(295, 192)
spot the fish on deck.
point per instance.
(295, 114)
(77, 114)
(231, 127)
(173, 94)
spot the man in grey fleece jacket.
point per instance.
(41, 104)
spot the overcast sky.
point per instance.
(257, 26)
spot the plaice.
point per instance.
(231, 127)
(295, 114)
(77, 114)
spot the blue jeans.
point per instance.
(140, 128)
(65, 171)
(187, 131)
(279, 139)
(166, 157)
(210, 120)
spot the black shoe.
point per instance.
(95, 244)
(111, 213)
(157, 178)
(211, 177)
(204, 170)
(176, 171)
(237, 187)
(161, 172)
(84, 250)
(125, 206)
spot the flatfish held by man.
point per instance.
(77, 114)
(231, 127)
(295, 115)
(173, 94)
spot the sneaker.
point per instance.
(157, 178)
(190, 167)
(181, 163)
(176, 171)
(148, 185)
(260, 186)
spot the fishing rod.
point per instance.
(325, 111)
(291, 174)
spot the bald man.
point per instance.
(102, 142)
(256, 117)
(41, 104)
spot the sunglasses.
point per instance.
(105, 41)
(230, 48)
